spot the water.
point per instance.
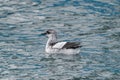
(96, 23)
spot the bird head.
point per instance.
(50, 33)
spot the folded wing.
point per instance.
(59, 45)
(71, 45)
(67, 45)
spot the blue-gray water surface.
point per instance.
(95, 23)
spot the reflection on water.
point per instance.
(95, 23)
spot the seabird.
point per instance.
(53, 46)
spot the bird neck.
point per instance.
(51, 39)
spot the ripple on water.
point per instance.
(95, 23)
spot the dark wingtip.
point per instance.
(80, 46)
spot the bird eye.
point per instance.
(48, 32)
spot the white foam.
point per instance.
(7, 8)
(107, 1)
(106, 74)
(40, 17)
(58, 25)
(9, 78)
(5, 72)
(13, 66)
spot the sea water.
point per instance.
(95, 23)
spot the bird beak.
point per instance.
(44, 33)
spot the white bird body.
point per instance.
(52, 46)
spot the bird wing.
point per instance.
(71, 45)
(59, 45)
